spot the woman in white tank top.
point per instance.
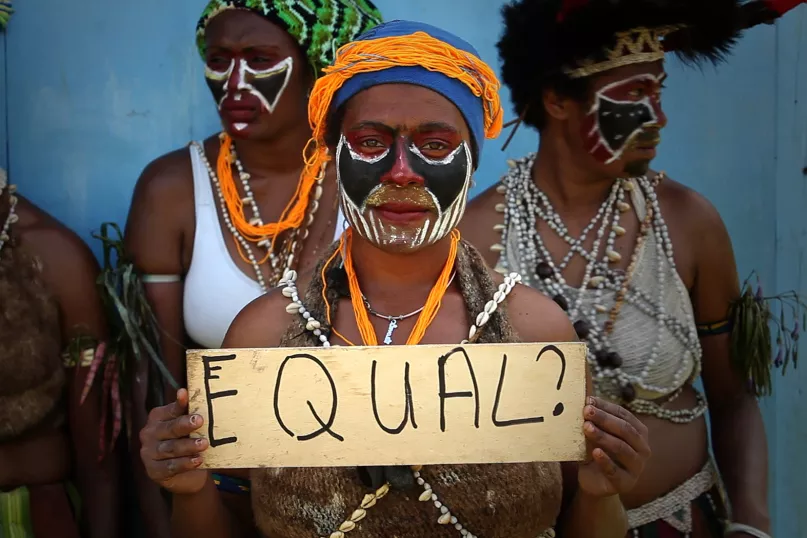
(214, 225)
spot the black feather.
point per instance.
(535, 48)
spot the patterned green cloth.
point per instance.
(319, 26)
(5, 12)
(15, 511)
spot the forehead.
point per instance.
(639, 72)
(239, 29)
(402, 106)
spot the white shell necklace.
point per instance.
(296, 307)
(524, 204)
(278, 266)
(12, 216)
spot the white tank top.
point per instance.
(216, 289)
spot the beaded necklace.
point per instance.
(12, 216)
(524, 204)
(280, 257)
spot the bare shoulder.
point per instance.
(536, 317)
(66, 259)
(689, 209)
(481, 216)
(166, 180)
(162, 214)
(263, 322)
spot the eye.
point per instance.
(371, 143)
(636, 93)
(262, 61)
(434, 145)
(218, 63)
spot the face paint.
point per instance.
(401, 198)
(265, 85)
(625, 115)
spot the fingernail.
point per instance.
(590, 411)
(199, 442)
(195, 419)
(589, 427)
(196, 461)
(591, 401)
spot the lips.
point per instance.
(402, 211)
(244, 109)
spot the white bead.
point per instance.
(482, 319)
(288, 292)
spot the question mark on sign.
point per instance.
(559, 407)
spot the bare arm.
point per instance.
(154, 240)
(203, 513)
(617, 447)
(738, 432)
(70, 271)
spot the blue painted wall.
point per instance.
(95, 90)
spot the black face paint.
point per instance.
(619, 121)
(367, 182)
(359, 175)
(267, 85)
(444, 178)
(622, 112)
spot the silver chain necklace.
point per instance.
(393, 320)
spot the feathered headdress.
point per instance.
(579, 38)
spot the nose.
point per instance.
(401, 172)
(236, 76)
(661, 117)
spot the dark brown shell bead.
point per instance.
(544, 270)
(562, 302)
(582, 328)
(628, 393)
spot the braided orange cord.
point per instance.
(430, 309)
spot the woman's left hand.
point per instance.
(617, 449)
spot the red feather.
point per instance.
(568, 6)
(783, 6)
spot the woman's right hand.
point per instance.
(170, 456)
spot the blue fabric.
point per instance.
(452, 89)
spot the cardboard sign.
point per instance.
(390, 405)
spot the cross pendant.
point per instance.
(393, 324)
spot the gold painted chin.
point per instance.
(415, 195)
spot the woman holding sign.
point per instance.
(404, 112)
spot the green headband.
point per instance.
(320, 27)
(5, 12)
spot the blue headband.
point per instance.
(452, 89)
